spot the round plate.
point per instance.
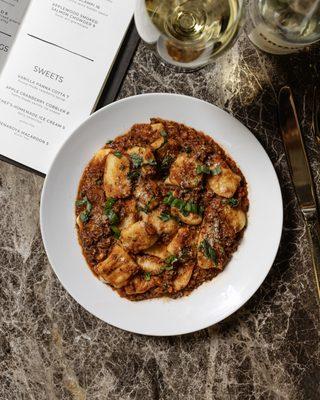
(212, 301)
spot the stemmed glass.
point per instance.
(188, 34)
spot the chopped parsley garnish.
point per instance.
(208, 250)
(184, 207)
(165, 164)
(118, 153)
(136, 160)
(216, 171)
(112, 216)
(168, 199)
(165, 216)
(188, 149)
(84, 215)
(109, 204)
(82, 202)
(164, 134)
(204, 169)
(146, 208)
(147, 276)
(152, 161)
(232, 202)
(201, 210)
(132, 175)
(191, 207)
(178, 203)
(109, 141)
(170, 261)
(194, 208)
(116, 231)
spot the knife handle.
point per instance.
(313, 229)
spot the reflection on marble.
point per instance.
(52, 349)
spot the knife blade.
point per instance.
(295, 150)
(300, 174)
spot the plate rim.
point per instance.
(234, 308)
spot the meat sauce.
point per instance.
(160, 210)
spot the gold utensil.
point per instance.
(300, 174)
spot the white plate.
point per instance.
(214, 300)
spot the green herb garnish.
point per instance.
(109, 141)
(84, 215)
(147, 276)
(109, 204)
(194, 208)
(208, 250)
(152, 161)
(168, 199)
(216, 171)
(188, 149)
(178, 203)
(146, 208)
(136, 160)
(184, 207)
(112, 217)
(232, 202)
(165, 216)
(133, 175)
(203, 169)
(165, 164)
(116, 231)
(118, 153)
(164, 134)
(170, 261)
(82, 202)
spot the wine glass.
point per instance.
(188, 34)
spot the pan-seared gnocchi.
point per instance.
(160, 210)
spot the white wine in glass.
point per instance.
(284, 26)
(188, 33)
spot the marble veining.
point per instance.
(52, 349)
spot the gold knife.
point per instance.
(300, 174)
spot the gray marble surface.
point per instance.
(52, 349)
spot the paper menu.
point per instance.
(11, 15)
(55, 72)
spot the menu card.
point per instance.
(54, 73)
(11, 15)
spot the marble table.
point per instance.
(52, 349)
